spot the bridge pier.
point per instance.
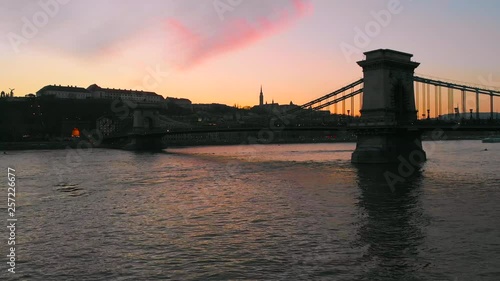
(145, 122)
(388, 105)
(388, 146)
(144, 142)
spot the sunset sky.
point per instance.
(222, 51)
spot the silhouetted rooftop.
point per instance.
(96, 88)
(387, 53)
(63, 88)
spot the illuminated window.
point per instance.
(75, 133)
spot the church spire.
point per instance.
(261, 97)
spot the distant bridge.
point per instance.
(391, 98)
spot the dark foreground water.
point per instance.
(289, 212)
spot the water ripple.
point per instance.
(297, 212)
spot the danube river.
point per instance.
(277, 212)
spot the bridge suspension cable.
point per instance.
(461, 107)
(341, 99)
(423, 97)
(452, 81)
(455, 86)
(312, 104)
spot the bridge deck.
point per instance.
(351, 127)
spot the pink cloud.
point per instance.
(234, 34)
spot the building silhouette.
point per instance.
(64, 92)
(96, 92)
(134, 95)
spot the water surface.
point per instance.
(277, 212)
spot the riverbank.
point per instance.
(55, 145)
(6, 146)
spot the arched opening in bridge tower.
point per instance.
(400, 102)
(148, 123)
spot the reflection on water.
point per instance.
(289, 212)
(391, 227)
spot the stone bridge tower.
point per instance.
(388, 107)
(146, 118)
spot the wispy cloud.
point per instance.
(190, 31)
(235, 32)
